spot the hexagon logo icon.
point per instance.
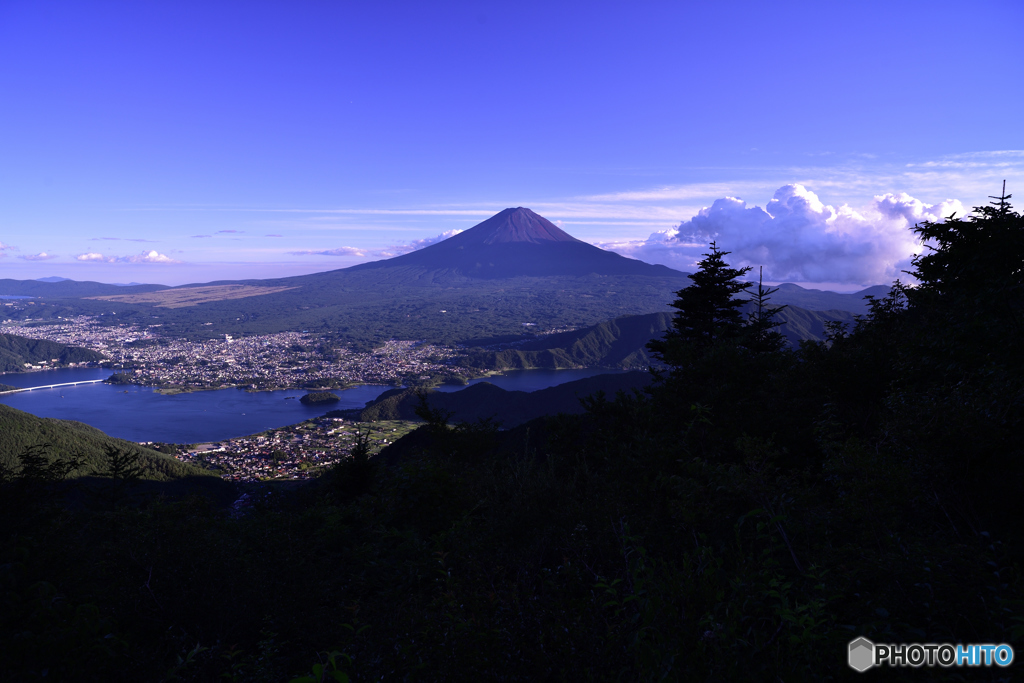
(861, 654)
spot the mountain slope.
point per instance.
(823, 300)
(516, 243)
(15, 351)
(510, 408)
(622, 342)
(20, 430)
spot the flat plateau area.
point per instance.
(192, 296)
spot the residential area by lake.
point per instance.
(298, 451)
(262, 362)
(232, 404)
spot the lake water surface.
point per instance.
(141, 414)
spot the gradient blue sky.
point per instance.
(179, 142)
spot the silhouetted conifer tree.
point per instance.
(708, 309)
(761, 337)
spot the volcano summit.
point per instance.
(517, 243)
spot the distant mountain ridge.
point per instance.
(61, 288)
(825, 300)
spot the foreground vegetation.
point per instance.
(744, 519)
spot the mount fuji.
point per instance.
(517, 243)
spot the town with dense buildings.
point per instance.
(294, 452)
(140, 356)
(260, 362)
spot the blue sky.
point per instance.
(180, 142)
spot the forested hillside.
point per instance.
(66, 440)
(15, 351)
(485, 401)
(622, 342)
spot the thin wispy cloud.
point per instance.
(325, 210)
(337, 251)
(387, 212)
(999, 158)
(386, 252)
(120, 239)
(41, 256)
(4, 248)
(601, 212)
(229, 232)
(680, 192)
(415, 245)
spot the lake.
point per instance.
(141, 414)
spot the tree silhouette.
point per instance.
(708, 309)
(760, 336)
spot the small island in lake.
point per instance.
(315, 398)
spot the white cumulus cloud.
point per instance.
(145, 257)
(93, 256)
(149, 257)
(798, 237)
(41, 256)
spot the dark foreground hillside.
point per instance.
(485, 401)
(744, 520)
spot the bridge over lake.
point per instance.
(51, 386)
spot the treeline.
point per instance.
(753, 511)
